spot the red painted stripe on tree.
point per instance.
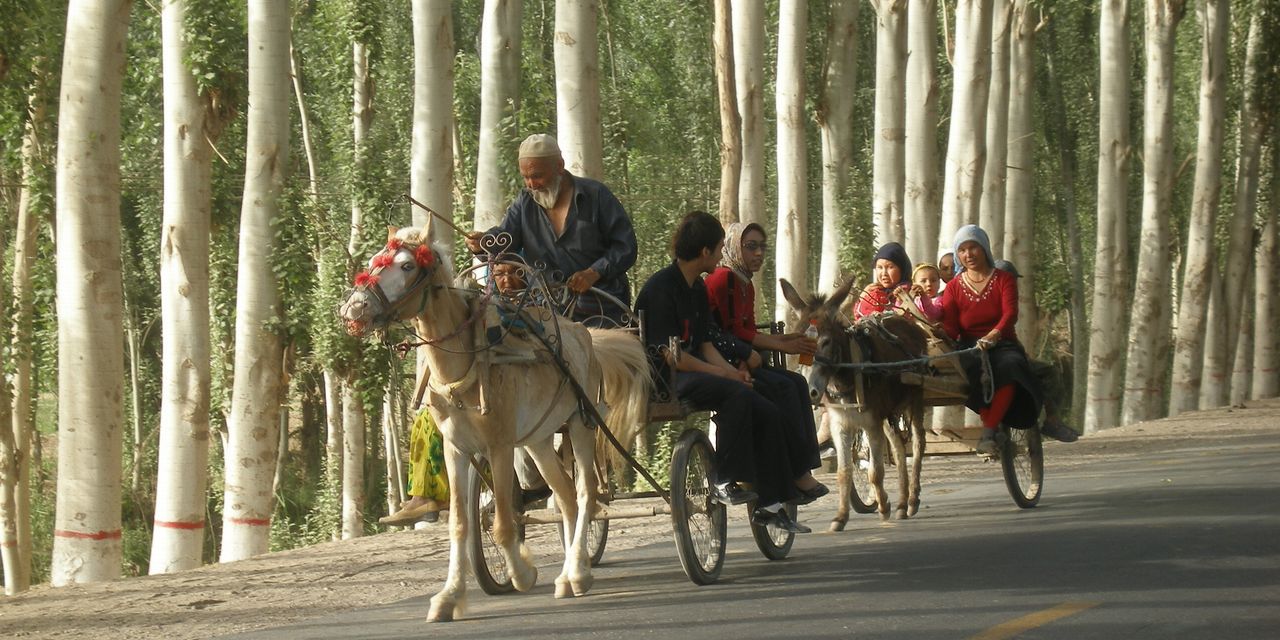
(88, 535)
(9, 544)
(252, 522)
(179, 524)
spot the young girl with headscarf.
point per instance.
(890, 271)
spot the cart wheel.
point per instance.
(486, 556)
(697, 521)
(774, 542)
(862, 494)
(1022, 458)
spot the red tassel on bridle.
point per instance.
(365, 279)
(423, 256)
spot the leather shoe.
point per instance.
(779, 518)
(1059, 431)
(731, 494)
(809, 495)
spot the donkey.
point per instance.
(866, 399)
(485, 407)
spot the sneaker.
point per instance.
(827, 451)
(731, 493)
(987, 443)
(1059, 431)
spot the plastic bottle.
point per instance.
(806, 359)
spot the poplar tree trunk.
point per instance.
(730, 121)
(835, 126)
(333, 437)
(353, 419)
(390, 441)
(922, 204)
(1220, 341)
(1242, 371)
(748, 71)
(791, 240)
(1149, 331)
(991, 210)
(1198, 267)
(1019, 226)
(18, 576)
(86, 531)
(431, 161)
(1266, 322)
(889, 154)
(1110, 267)
(966, 143)
(255, 400)
(578, 87)
(499, 98)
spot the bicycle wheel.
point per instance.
(862, 494)
(774, 541)
(1022, 459)
(697, 522)
(486, 557)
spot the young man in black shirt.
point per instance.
(750, 446)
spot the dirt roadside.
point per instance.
(283, 588)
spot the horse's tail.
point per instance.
(626, 381)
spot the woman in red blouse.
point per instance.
(980, 307)
(733, 302)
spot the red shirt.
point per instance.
(878, 300)
(733, 303)
(966, 314)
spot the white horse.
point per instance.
(484, 408)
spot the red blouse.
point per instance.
(966, 314)
(733, 303)
(878, 300)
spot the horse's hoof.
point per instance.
(441, 611)
(563, 590)
(837, 525)
(899, 515)
(913, 509)
(523, 580)
(884, 516)
(582, 585)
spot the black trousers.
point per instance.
(750, 444)
(790, 392)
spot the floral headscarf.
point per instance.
(733, 247)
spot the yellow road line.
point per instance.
(1038, 619)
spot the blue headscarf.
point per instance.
(893, 252)
(972, 232)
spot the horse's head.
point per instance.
(833, 336)
(396, 276)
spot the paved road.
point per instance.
(1171, 544)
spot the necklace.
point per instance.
(975, 282)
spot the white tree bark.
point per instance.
(991, 210)
(255, 397)
(1220, 341)
(888, 183)
(18, 576)
(1266, 315)
(391, 448)
(177, 540)
(922, 204)
(1019, 225)
(578, 87)
(1110, 268)
(353, 419)
(333, 437)
(499, 95)
(1198, 267)
(966, 143)
(748, 71)
(835, 125)
(1242, 369)
(1149, 331)
(431, 152)
(87, 534)
(730, 121)
(792, 237)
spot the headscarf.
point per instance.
(922, 266)
(893, 252)
(976, 234)
(733, 247)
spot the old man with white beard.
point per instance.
(574, 226)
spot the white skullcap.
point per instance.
(539, 145)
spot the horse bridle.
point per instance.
(389, 309)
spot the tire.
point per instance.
(697, 522)
(861, 494)
(774, 543)
(1022, 459)
(486, 557)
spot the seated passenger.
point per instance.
(889, 271)
(980, 307)
(733, 301)
(750, 445)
